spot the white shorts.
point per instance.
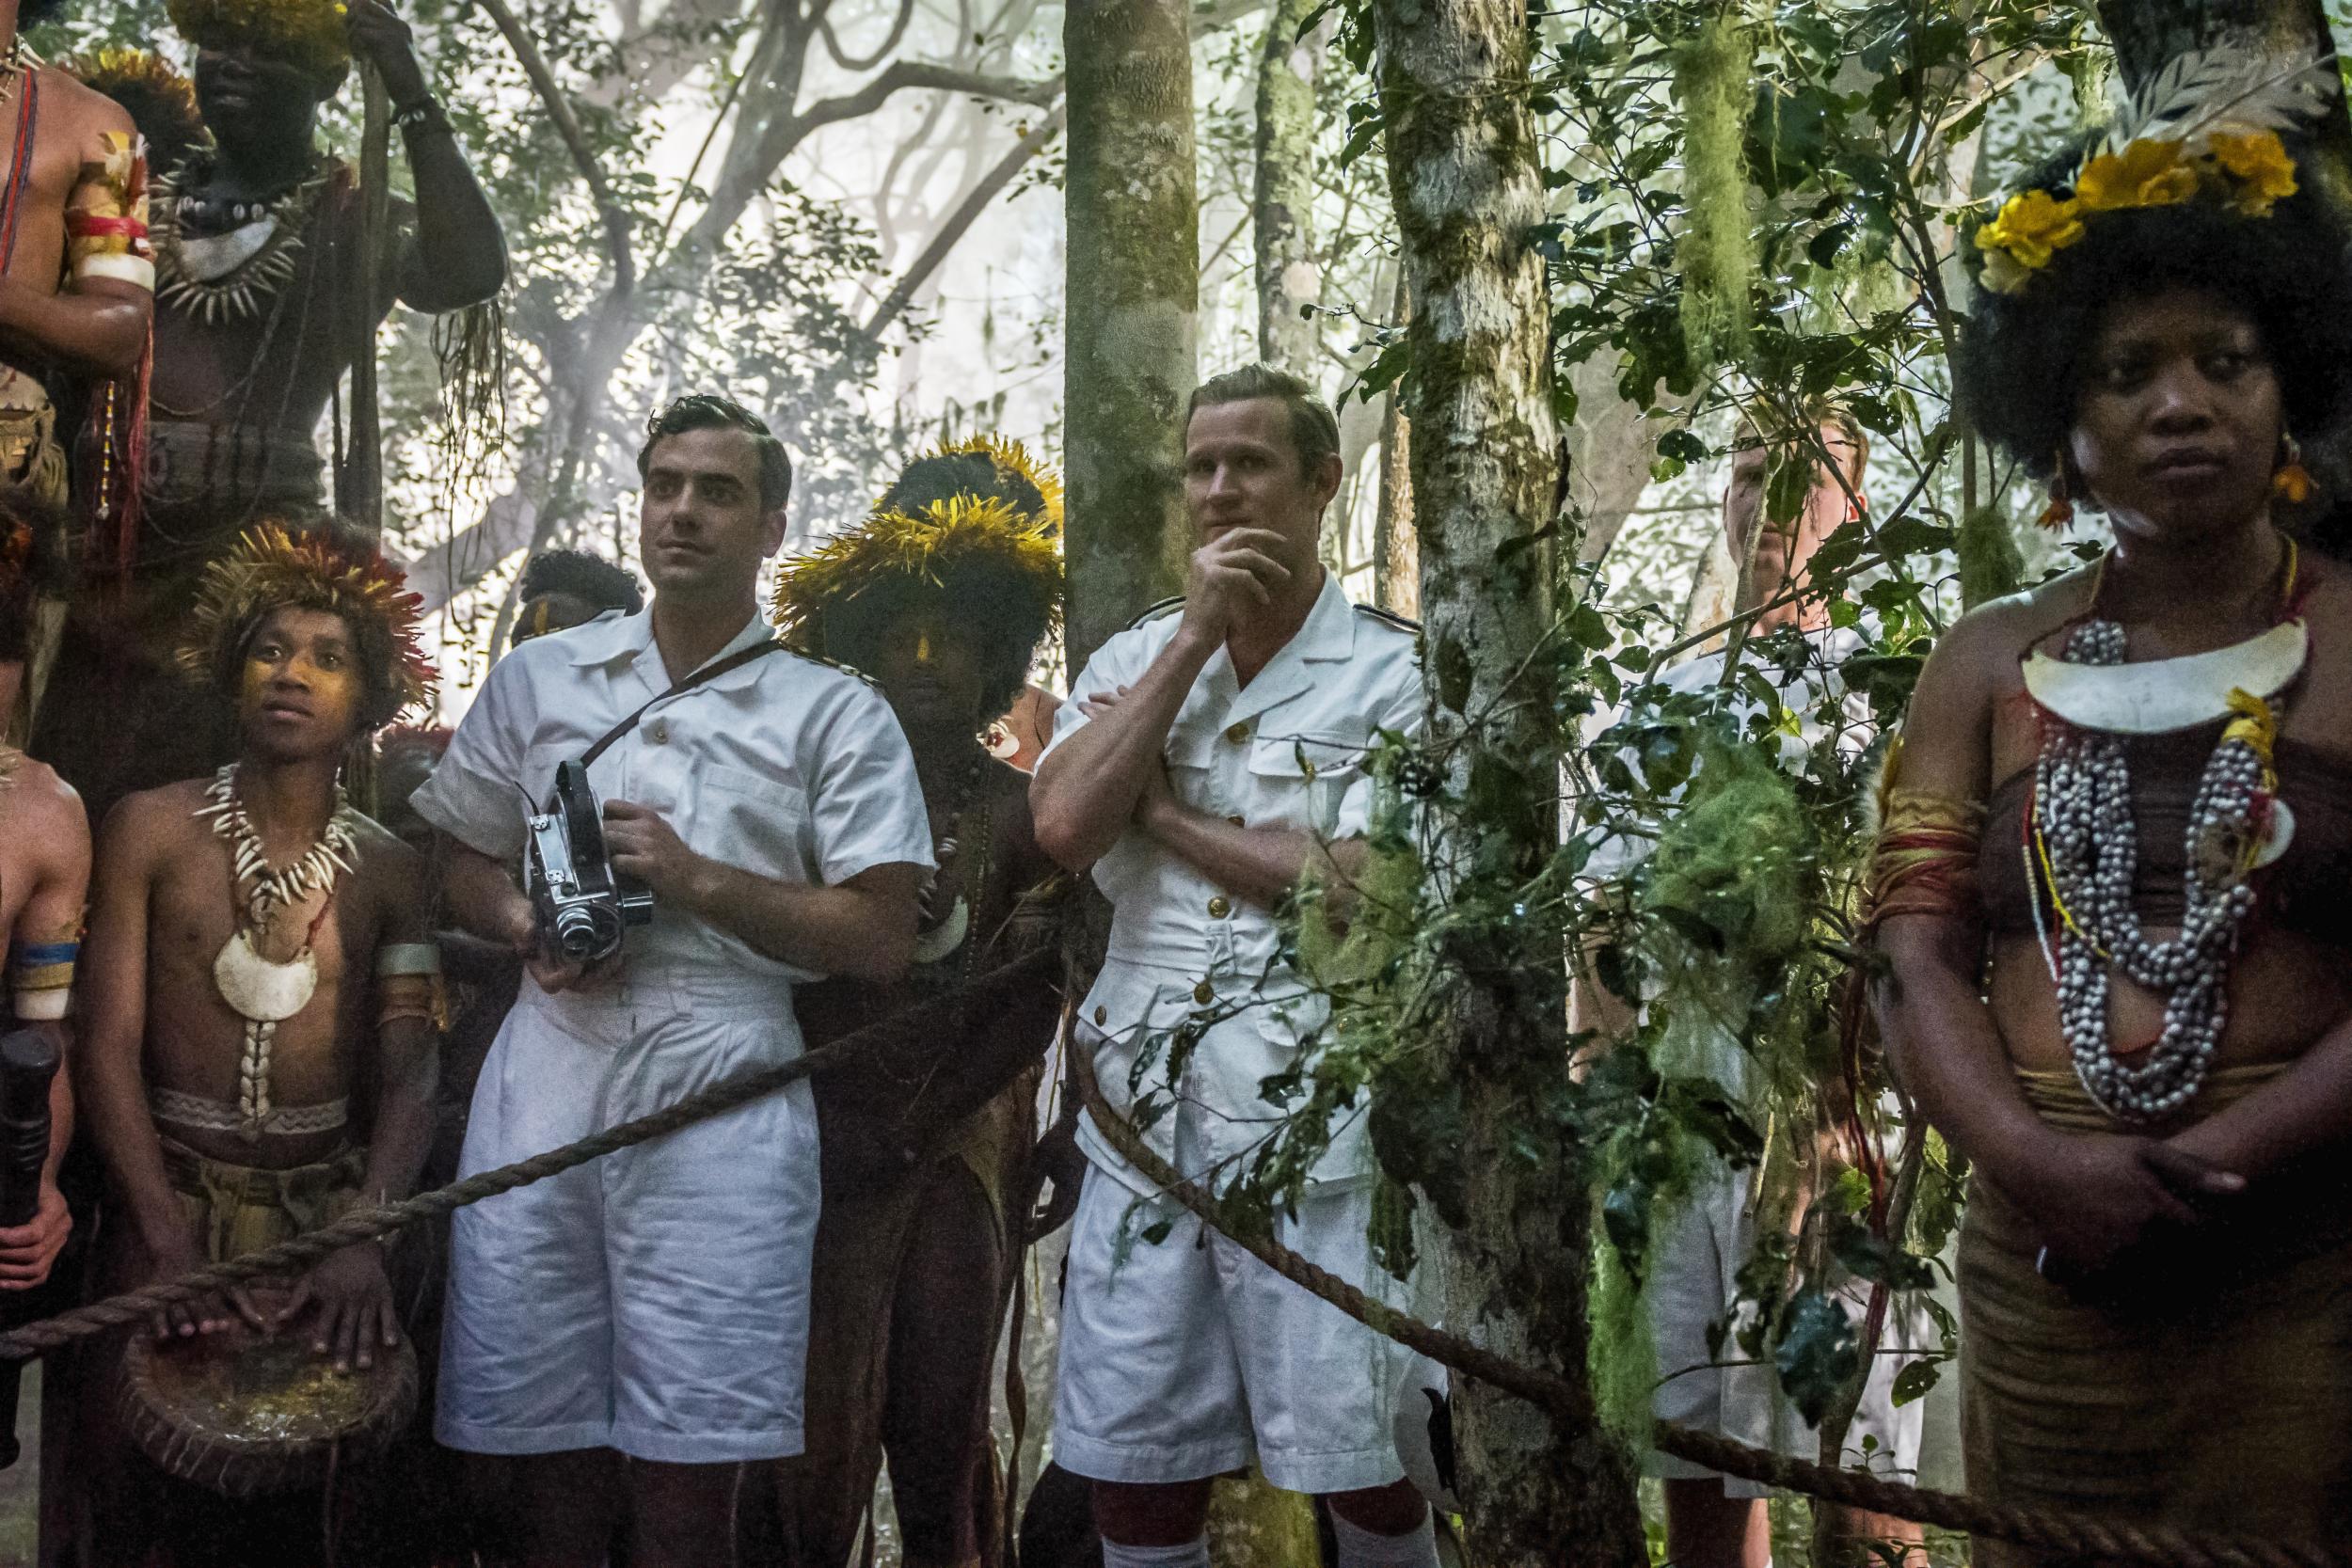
(1691, 1283)
(1180, 1358)
(654, 1301)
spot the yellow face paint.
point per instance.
(923, 647)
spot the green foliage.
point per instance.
(1730, 871)
(1622, 1357)
(1990, 565)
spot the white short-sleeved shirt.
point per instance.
(783, 767)
(1287, 750)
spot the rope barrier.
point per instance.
(2064, 1532)
(362, 1224)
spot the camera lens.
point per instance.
(576, 932)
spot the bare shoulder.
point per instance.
(1988, 640)
(384, 855)
(80, 108)
(42, 809)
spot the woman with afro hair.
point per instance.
(945, 596)
(2108, 895)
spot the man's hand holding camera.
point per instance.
(643, 846)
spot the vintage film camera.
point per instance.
(584, 906)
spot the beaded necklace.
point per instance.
(2082, 853)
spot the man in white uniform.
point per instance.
(1212, 755)
(1692, 1281)
(654, 1304)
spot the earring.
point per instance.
(2293, 483)
(2060, 511)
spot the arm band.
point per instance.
(407, 958)
(41, 978)
(1925, 859)
(406, 996)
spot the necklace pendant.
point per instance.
(259, 989)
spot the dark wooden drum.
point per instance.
(245, 1414)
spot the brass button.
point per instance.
(1102, 1016)
(1238, 733)
(1237, 822)
(1202, 995)
(1220, 907)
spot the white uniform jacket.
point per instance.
(1288, 751)
(783, 767)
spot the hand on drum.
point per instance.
(353, 1303)
(207, 1314)
(28, 1251)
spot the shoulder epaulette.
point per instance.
(1390, 616)
(1163, 608)
(850, 669)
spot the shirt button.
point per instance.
(1238, 733)
(1203, 994)
(1220, 907)
(1102, 1016)
(661, 732)
(1237, 822)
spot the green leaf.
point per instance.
(1912, 1382)
(1817, 1355)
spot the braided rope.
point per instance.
(2064, 1532)
(933, 1018)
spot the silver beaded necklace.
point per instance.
(2084, 853)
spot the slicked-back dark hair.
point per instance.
(2022, 355)
(710, 411)
(585, 577)
(1315, 429)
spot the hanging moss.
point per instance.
(1622, 1353)
(1990, 564)
(1717, 250)
(1733, 866)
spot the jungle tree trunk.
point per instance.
(1132, 287)
(1466, 182)
(1282, 209)
(1395, 562)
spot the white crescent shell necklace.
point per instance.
(260, 991)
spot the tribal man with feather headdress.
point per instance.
(259, 957)
(264, 298)
(945, 596)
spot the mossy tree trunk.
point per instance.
(1282, 199)
(1132, 287)
(1465, 182)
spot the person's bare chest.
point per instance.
(197, 909)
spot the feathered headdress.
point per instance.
(2206, 128)
(1013, 466)
(984, 562)
(306, 34)
(273, 568)
(160, 101)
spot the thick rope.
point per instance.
(2063, 1533)
(934, 1019)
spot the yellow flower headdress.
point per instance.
(273, 568)
(2205, 129)
(985, 563)
(307, 33)
(1011, 461)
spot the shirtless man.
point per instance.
(77, 277)
(191, 1090)
(260, 310)
(44, 875)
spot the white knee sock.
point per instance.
(1192, 1554)
(1360, 1548)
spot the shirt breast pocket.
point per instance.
(1299, 779)
(757, 822)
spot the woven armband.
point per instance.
(407, 958)
(106, 225)
(409, 984)
(41, 978)
(1925, 859)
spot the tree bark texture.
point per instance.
(1132, 291)
(1395, 562)
(1282, 204)
(1465, 183)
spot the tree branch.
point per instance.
(568, 126)
(906, 75)
(966, 212)
(833, 42)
